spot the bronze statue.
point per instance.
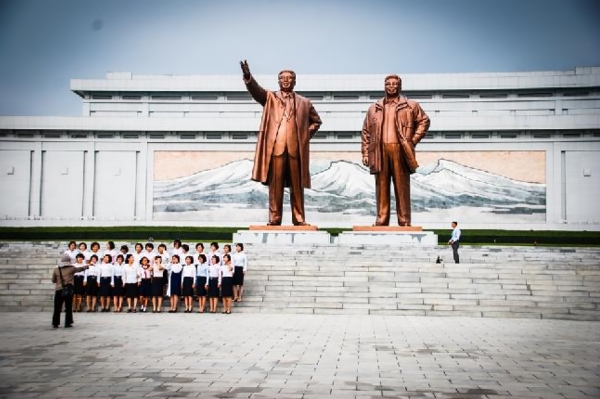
(393, 127)
(281, 159)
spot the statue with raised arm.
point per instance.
(281, 159)
(392, 128)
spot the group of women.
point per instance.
(146, 276)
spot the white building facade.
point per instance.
(504, 150)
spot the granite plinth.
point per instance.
(388, 235)
(282, 235)
(283, 228)
(387, 228)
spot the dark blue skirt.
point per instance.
(238, 275)
(188, 286)
(146, 287)
(78, 285)
(175, 284)
(91, 288)
(118, 288)
(213, 287)
(105, 286)
(131, 290)
(227, 287)
(201, 286)
(157, 287)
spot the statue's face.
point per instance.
(286, 81)
(392, 87)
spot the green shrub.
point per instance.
(169, 233)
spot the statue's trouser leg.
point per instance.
(296, 190)
(382, 192)
(276, 185)
(393, 169)
(285, 167)
(401, 180)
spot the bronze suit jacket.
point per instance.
(307, 124)
(411, 126)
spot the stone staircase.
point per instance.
(561, 283)
(553, 283)
(25, 273)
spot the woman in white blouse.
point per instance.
(72, 251)
(118, 286)
(175, 271)
(214, 283)
(91, 283)
(106, 282)
(131, 276)
(240, 262)
(189, 283)
(78, 280)
(201, 282)
(111, 250)
(157, 284)
(227, 271)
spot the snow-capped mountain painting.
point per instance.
(344, 190)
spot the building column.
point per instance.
(89, 183)
(35, 184)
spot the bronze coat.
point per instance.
(411, 126)
(307, 124)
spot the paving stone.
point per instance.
(300, 356)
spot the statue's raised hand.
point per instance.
(245, 69)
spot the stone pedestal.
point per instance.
(387, 229)
(388, 235)
(283, 228)
(282, 235)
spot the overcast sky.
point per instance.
(45, 43)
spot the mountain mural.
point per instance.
(348, 188)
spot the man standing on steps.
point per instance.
(393, 127)
(454, 241)
(281, 160)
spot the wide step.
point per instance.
(329, 279)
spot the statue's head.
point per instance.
(393, 85)
(286, 80)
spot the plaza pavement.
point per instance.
(296, 356)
